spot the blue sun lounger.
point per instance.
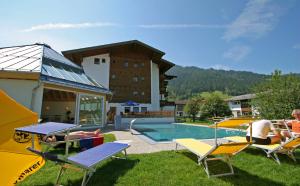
(86, 160)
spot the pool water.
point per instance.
(168, 132)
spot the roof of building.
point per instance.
(241, 97)
(181, 102)
(170, 77)
(52, 66)
(77, 54)
(114, 45)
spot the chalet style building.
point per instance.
(241, 105)
(132, 70)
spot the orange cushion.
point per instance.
(296, 126)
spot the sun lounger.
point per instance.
(271, 150)
(85, 160)
(204, 150)
(51, 128)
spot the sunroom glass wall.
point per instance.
(91, 110)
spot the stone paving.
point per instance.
(140, 145)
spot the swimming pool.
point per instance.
(168, 132)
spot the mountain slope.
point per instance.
(193, 80)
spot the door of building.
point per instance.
(111, 115)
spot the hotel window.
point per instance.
(135, 79)
(135, 93)
(142, 93)
(236, 102)
(113, 91)
(135, 65)
(142, 64)
(103, 60)
(143, 109)
(125, 63)
(113, 76)
(136, 109)
(96, 61)
(142, 78)
(127, 109)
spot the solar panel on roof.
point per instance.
(65, 73)
(51, 54)
(51, 71)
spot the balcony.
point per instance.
(166, 103)
(246, 109)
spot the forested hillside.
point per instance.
(193, 80)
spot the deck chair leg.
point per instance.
(117, 157)
(199, 161)
(227, 161)
(86, 178)
(206, 168)
(125, 153)
(84, 182)
(275, 157)
(62, 169)
(292, 156)
(176, 147)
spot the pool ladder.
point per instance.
(130, 126)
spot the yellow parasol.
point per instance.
(233, 123)
(17, 162)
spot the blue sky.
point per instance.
(257, 35)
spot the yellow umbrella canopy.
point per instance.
(233, 122)
(16, 161)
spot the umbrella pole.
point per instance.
(32, 141)
(250, 131)
(216, 141)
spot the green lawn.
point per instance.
(165, 168)
(197, 121)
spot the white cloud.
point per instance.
(296, 46)
(170, 26)
(237, 53)
(58, 26)
(257, 18)
(220, 67)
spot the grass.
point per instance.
(252, 167)
(199, 122)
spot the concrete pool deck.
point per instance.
(140, 145)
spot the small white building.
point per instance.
(241, 105)
(179, 107)
(49, 84)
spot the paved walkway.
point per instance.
(140, 145)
